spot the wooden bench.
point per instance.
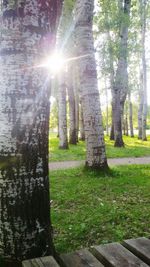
(130, 253)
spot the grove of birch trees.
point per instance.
(117, 38)
(105, 48)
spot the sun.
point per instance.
(55, 63)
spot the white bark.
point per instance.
(63, 137)
(82, 132)
(72, 105)
(131, 116)
(121, 79)
(144, 69)
(26, 30)
(142, 112)
(96, 156)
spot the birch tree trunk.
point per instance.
(76, 82)
(111, 77)
(144, 69)
(120, 84)
(106, 95)
(126, 121)
(142, 112)
(63, 136)
(130, 116)
(82, 132)
(72, 106)
(96, 156)
(27, 31)
(140, 109)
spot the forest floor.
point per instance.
(111, 162)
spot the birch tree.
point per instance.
(62, 111)
(72, 106)
(96, 156)
(121, 78)
(142, 113)
(130, 115)
(63, 38)
(27, 36)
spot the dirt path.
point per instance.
(111, 162)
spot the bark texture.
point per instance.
(27, 35)
(63, 137)
(82, 132)
(111, 77)
(142, 113)
(96, 156)
(72, 106)
(121, 79)
(144, 69)
(140, 109)
(130, 116)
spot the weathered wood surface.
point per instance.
(40, 262)
(132, 253)
(115, 255)
(140, 247)
(81, 258)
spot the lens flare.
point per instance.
(55, 63)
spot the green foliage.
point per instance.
(91, 208)
(133, 148)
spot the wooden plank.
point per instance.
(32, 263)
(40, 262)
(81, 258)
(49, 262)
(37, 262)
(115, 255)
(27, 263)
(140, 247)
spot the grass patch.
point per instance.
(91, 208)
(133, 148)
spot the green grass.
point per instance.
(94, 208)
(133, 148)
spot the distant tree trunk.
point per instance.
(63, 136)
(82, 132)
(112, 134)
(120, 84)
(72, 107)
(77, 98)
(140, 110)
(117, 120)
(111, 77)
(77, 116)
(144, 69)
(112, 131)
(142, 113)
(130, 116)
(106, 95)
(57, 101)
(126, 121)
(25, 40)
(96, 156)
(124, 125)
